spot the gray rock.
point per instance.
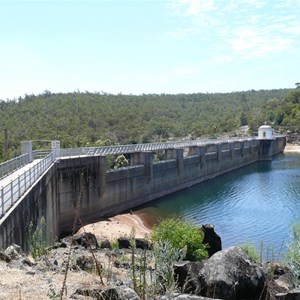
(85, 263)
(142, 244)
(231, 274)
(105, 244)
(86, 240)
(212, 239)
(26, 262)
(13, 252)
(290, 295)
(186, 276)
(184, 297)
(42, 264)
(113, 293)
(124, 243)
(4, 257)
(127, 293)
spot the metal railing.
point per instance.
(122, 149)
(10, 193)
(38, 154)
(11, 165)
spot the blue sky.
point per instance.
(135, 47)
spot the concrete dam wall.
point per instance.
(109, 192)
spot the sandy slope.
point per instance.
(292, 148)
(117, 226)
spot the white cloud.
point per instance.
(192, 7)
(248, 28)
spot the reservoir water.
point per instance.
(255, 204)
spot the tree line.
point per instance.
(93, 119)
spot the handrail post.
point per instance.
(2, 200)
(19, 187)
(11, 193)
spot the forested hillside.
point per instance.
(89, 119)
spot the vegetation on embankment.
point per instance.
(94, 119)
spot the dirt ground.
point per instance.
(117, 226)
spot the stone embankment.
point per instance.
(227, 274)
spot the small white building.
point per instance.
(265, 132)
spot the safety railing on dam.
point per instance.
(123, 149)
(11, 192)
(11, 165)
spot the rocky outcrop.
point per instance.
(86, 240)
(212, 239)
(186, 275)
(106, 244)
(291, 295)
(231, 274)
(13, 252)
(228, 274)
(112, 293)
(125, 243)
(177, 296)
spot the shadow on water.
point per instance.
(256, 203)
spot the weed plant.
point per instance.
(37, 239)
(293, 256)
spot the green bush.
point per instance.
(182, 235)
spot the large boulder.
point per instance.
(86, 240)
(231, 274)
(212, 239)
(178, 296)
(142, 244)
(113, 293)
(291, 295)
(124, 242)
(186, 276)
(4, 257)
(13, 252)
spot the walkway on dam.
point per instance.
(11, 177)
(17, 183)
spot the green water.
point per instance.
(257, 203)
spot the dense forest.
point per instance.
(93, 119)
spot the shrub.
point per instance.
(251, 251)
(293, 255)
(121, 161)
(164, 256)
(182, 235)
(37, 239)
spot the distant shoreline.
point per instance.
(292, 148)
